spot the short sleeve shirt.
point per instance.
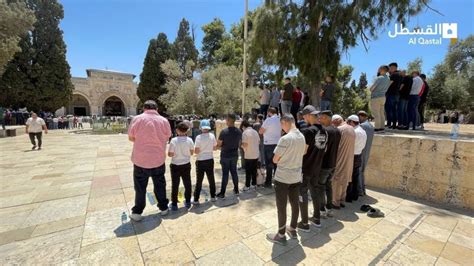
(181, 146)
(251, 137)
(394, 87)
(272, 128)
(381, 85)
(316, 138)
(35, 125)
(230, 138)
(206, 143)
(290, 148)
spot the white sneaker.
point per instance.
(213, 199)
(165, 212)
(136, 217)
(253, 187)
(246, 189)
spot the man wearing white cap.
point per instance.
(204, 147)
(360, 141)
(344, 161)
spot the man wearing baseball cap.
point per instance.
(204, 147)
(316, 140)
(360, 140)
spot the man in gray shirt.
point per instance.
(369, 131)
(289, 159)
(327, 93)
(377, 98)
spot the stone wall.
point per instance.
(435, 169)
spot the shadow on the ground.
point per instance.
(131, 228)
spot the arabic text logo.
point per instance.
(450, 30)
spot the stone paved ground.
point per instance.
(63, 205)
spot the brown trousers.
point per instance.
(339, 188)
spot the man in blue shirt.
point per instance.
(377, 98)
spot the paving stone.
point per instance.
(424, 243)
(16, 235)
(432, 231)
(210, 242)
(265, 249)
(118, 251)
(57, 226)
(235, 254)
(405, 255)
(56, 210)
(458, 254)
(176, 253)
(150, 233)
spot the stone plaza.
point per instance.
(63, 205)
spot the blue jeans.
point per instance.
(286, 107)
(229, 165)
(413, 109)
(269, 165)
(140, 180)
(325, 105)
(391, 104)
(403, 112)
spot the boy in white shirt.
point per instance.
(206, 144)
(180, 150)
(251, 146)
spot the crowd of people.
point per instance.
(398, 98)
(325, 158)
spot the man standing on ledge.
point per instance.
(149, 133)
(287, 97)
(34, 128)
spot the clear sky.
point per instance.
(114, 34)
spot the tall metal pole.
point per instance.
(244, 67)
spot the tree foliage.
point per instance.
(39, 76)
(309, 35)
(452, 84)
(349, 97)
(16, 19)
(183, 49)
(152, 78)
(415, 65)
(212, 42)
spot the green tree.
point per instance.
(16, 19)
(309, 35)
(212, 41)
(183, 49)
(452, 84)
(42, 62)
(415, 65)
(152, 78)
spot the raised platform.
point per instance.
(429, 167)
(18, 130)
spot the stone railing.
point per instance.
(431, 168)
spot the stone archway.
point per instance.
(113, 106)
(79, 105)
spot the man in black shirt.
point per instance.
(229, 140)
(329, 161)
(316, 139)
(405, 88)
(423, 97)
(327, 93)
(392, 96)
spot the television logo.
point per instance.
(450, 30)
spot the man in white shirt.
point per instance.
(251, 146)
(414, 99)
(204, 147)
(360, 141)
(271, 131)
(34, 128)
(264, 100)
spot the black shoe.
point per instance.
(39, 148)
(303, 227)
(315, 222)
(343, 205)
(220, 195)
(336, 207)
(33, 148)
(268, 185)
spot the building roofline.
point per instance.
(109, 71)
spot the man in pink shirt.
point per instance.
(149, 133)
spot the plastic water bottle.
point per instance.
(124, 217)
(180, 196)
(151, 198)
(206, 195)
(455, 131)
